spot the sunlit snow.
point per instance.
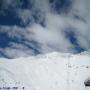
(54, 71)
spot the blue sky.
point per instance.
(31, 27)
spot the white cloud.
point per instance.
(52, 37)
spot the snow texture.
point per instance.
(54, 71)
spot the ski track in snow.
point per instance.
(53, 71)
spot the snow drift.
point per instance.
(54, 71)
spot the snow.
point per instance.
(54, 71)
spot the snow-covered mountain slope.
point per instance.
(54, 71)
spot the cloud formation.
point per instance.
(47, 26)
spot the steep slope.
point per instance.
(54, 71)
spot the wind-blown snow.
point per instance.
(54, 71)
